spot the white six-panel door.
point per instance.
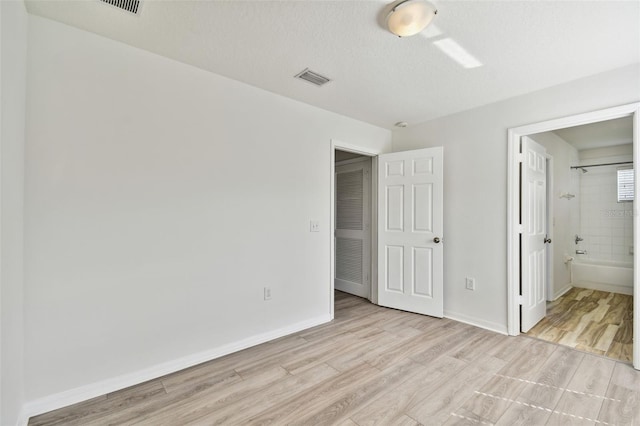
(534, 236)
(410, 231)
(353, 229)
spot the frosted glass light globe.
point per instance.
(410, 17)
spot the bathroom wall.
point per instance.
(565, 215)
(605, 224)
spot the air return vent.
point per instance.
(128, 5)
(313, 77)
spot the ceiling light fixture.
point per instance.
(409, 17)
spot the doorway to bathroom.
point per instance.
(589, 287)
(577, 289)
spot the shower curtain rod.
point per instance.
(603, 164)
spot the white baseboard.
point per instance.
(83, 393)
(611, 288)
(23, 418)
(487, 325)
(560, 293)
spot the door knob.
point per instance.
(547, 240)
(436, 240)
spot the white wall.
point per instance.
(158, 206)
(475, 180)
(13, 36)
(565, 219)
(605, 224)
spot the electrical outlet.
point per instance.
(470, 283)
(314, 226)
(267, 293)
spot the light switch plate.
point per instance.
(314, 226)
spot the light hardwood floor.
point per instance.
(373, 365)
(590, 320)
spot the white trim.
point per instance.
(578, 119)
(636, 243)
(561, 292)
(23, 418)
(364, 235)
(609, 288)
(513, 233)
(549, 205)
(513, 149)
(343, 146)
(352, 161)
(83, 393)
(374, 230)
(476, 322)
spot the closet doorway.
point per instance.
(353, 223)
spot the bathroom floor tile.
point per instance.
(589, 320)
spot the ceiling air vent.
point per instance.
(313, 77)
(128, 5)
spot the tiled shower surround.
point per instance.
(605, 224)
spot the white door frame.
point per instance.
(550, 227)
(373, 153)
(353, 165)
(513, 207)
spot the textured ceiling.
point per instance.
(599, 135)
(377, 77)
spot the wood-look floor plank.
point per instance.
(309, 354)
(291, 408)
(477, 346)
(560, 419)
(404, 420)
(72, 412)
(526, 363)
(625, 376)
(346, 422)
(439, 346)
(83, 414)
(584, 393)
(518, 414)
(200, 394)
(346, 403)
(625, 332)
(622, 408)
(408, 348)
(315, 357)
(344, 360)
(238, 410)
(552, 377)
(492, 400)
(436, 407)
(392, 403)
(589, 320)
(230, 362)
(509, 347)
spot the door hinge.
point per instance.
(520, 300)
(520, 158)
(520, 229)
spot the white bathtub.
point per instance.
(602, 275)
